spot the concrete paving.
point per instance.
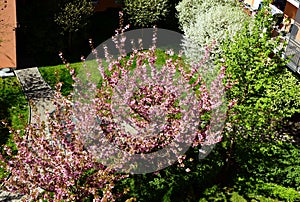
(6, 72)
(37, 91)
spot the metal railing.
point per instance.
(293, 48)
(293, 53)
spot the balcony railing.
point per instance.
(293, 53)
(293, 48)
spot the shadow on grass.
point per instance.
(13, 107)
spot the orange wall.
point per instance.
(105, 4)
(290, 10)
(250, 2)
(7, 35)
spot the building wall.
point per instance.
(290, 10)
(250, 2)
(253, 3)
(7, 35)
(104, 5)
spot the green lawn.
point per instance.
(59, 73)
(14, 107)
(14, 110)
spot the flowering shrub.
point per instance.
(52, 163)
(189, 9)
(134, 102)
(214, 24)
(75, 154)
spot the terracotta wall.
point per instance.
(253, 3)
(250, 2)
(105, 4)
(7, 34)
(290, 10)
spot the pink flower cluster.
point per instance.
(126, 105)
(53, 164)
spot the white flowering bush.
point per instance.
(189, 9)
(211, 26)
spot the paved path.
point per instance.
(40, 94)
(37, 91)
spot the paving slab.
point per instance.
(37, 91)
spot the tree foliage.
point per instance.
(265, 94)
(264, 89)
(144, 13)
(74, 14)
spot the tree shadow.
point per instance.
(291, 127)
(13, 107)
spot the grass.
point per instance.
(59, 73)
(14, 107)
(14, 110)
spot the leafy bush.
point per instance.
(280, 192)
(145, 12)
(216, 193)
(188, 10)
(177, 183)
(259, 171)
(269, 163)
(265, 91)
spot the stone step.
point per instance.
(10, 197)
(31, 79)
